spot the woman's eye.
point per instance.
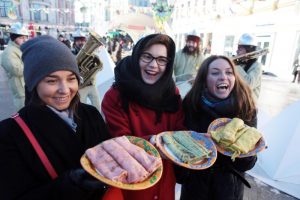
(72, 78)
(147, 57)
(162, 60)
(229, 73)
(51, 81)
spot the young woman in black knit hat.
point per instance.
(63, 127)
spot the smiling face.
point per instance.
(58, 89)
(220, 78)
(192, 45)
(151, 72)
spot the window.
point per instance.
(35, 13)
(46, 14)
(4, 7)
(228, 46)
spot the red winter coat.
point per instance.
(140, 122)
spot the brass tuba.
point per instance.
(88, 62)
(248, 56)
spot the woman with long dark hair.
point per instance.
(144, 101)
(217, 92)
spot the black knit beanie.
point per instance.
(44, 55)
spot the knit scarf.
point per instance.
(218, 107)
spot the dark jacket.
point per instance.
(22, 174)
(222, 181)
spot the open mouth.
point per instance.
(151, 73)
(222, 86)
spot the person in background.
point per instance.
(188, 59)
(13, 65)
(217, 92)
(250, 70)
(89, 91)
(2, 41)
(296, 70)
(79, 41)
(144, 101)
(62, 125)
(64, 40)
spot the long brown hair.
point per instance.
(245, 104)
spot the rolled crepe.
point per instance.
(136, 172)
(149, 162)
(230, 130)
(105, 164)
(228, 133)
(247, 141)
(186, 140)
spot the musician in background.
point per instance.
(79, 41)
(249, 69)
(188, 59)
(89, 91)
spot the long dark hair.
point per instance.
(245, 104)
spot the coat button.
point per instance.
(155, 197)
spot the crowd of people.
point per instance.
(143, 101)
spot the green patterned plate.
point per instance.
(149, 182)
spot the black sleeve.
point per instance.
(20, 181)
(181, 174)
(244, 164)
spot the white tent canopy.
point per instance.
(281, 160)
(105, 77)
(279, 164)
(136, 25)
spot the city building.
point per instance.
(276, 24)
(42, 16)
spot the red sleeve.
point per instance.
(116, 119)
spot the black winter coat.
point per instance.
(22, 174)
(223, 180)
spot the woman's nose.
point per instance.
(63, 88)
(223, 75)
(153, 63)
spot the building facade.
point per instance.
(220, 23)
(41, 16)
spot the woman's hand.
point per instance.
(84, 180)
(153, 142)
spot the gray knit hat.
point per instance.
(44, 55)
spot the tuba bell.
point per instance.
(88, 62)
